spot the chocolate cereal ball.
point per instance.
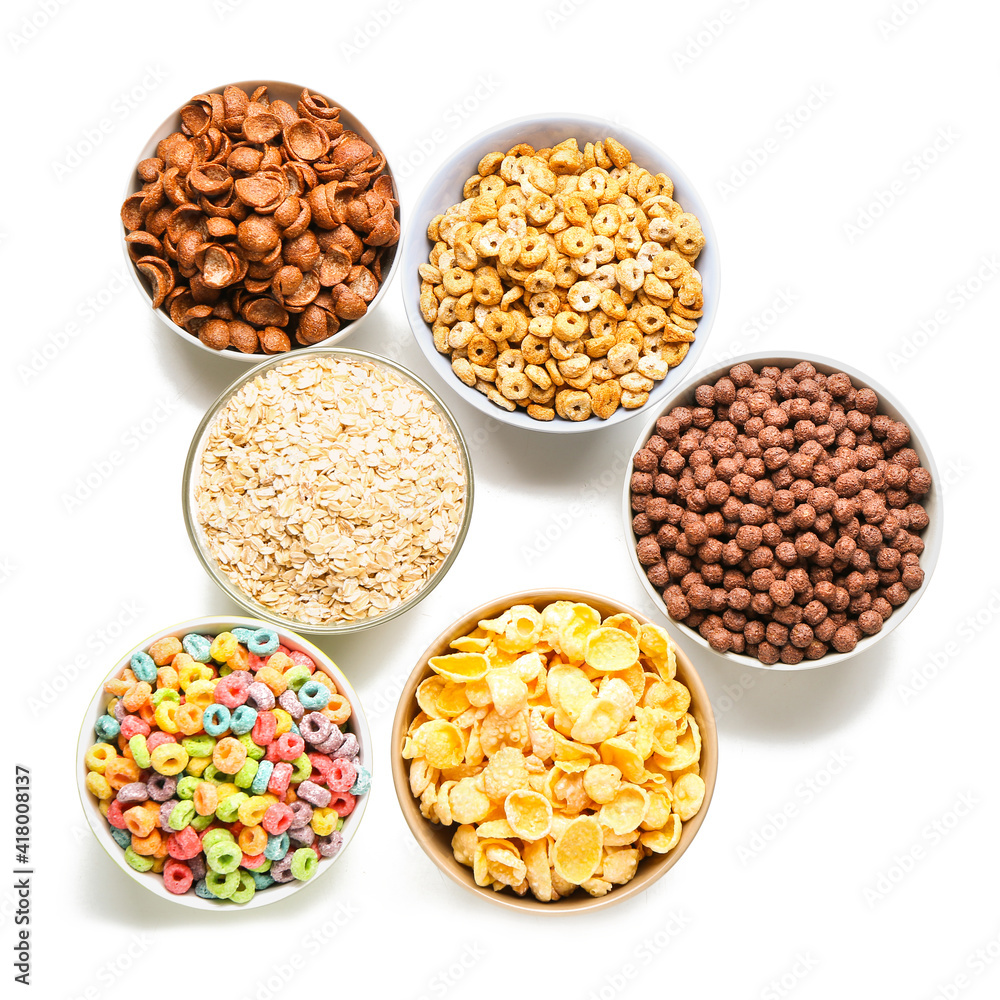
(780, 513)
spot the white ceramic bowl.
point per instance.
(445, 189)
(276, 90)
(197, 536)
(931, 535)
(99, 825)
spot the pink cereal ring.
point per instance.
(342, 775)
(301, 659)
(231, 690)
(321, 768)
(132, 725)
(290, 746)
(115, 817)
(177, 877)
(282, 649)
(278, 818)
(280, 777)
(342, 803)
(252, 860)
(263, 729)
(256, 662)
(157, 739)
(184, 845)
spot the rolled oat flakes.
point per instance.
(329, 489)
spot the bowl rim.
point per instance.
(928, 559)
(423, 830)
(223, 582)
(694, 202)
(133, 184)
(86, 738)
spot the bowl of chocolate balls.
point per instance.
(782, 511)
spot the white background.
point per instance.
(818, 909)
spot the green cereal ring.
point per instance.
(254, 752)
(223, 857)
(201, 822)
(181, 815)
(164, 694)
(304, 862)
(245, 775)
(340, 823)
(222, 886)
(186, 786)
(225, 670)
(212, 773)
(199, 746)
(302, 768)
(140, 752)
(246, 888)
(230, 806)
(216, 836)
(137, 861)
(296, 676)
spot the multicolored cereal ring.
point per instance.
(139, 750)
(199, 746)
(181, 815)
(137, 861)
(302, 836)
(315, 728)
(297, 675)
(349, 748)
(169, 758)
(341, 776)
(263, 642)
(313, 695)
(278, 818)
(143, 667)
(228, 809)
(216, 719)
(229, 755)
(243, 719)
(301, 768)
(106, 727)
(281, 869)
(223, 857)
(342, 803)
(231, 690)
(223, 646)
(262, 778)
(245, 890)
(329, 845)
(245, 775)
(155, 739)
(121, 837)
(277, 847)
(184, 844)
(221, 885)
(264, 728)
(98, 755)
(362, 781)
(177, 877)
(260, 697)
(132, 793)
(304, 862)
(280, 778)
(315, 795)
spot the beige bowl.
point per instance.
(276, 90)
(436, 839)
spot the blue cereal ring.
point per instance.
(201, 889)
(263, 642)
(313, 695)
(143, 667)
(277, 846)
(263, 776)
(121, 837)
(262, 880)
(216, 720)
(362, 780)
(106, 727)
(243, 635)
(242, 720)
(197, 647)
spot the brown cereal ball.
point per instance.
(720, 640)
(646, 460)
(781, 593)
(800, 635)
(768, 653)
(789, 615)
(739, 598)
(897, 436)
(845, 638)
(658, 575)
(667, 427)
(678, 607)
(664, 485)
(683, 417)
(882, 607)
(699, 596)
(657, 445)
(815, 650)
(762, 604)
(919, 482)
(912, 577)
(791, 655)
(648, 551)
(754, 632)
(776, 634)
(641, 525)
(672, 462)
(657, 508)
(639, 502)
(641, 482)
(870, 622)
(896, 594)
(824, 630)
(704, 395)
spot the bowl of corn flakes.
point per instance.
(560, 273)
(554, 751)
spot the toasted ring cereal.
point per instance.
(561, 747)
(216, 806)
(579, 242)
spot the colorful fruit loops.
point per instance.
(562, 747)
(221, 763)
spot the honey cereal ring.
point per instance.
(575, 241)
(572, 404)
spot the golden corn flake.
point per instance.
(577, 852)
(560, 746)
(441, 743)
(529, 814)
(610, 649)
